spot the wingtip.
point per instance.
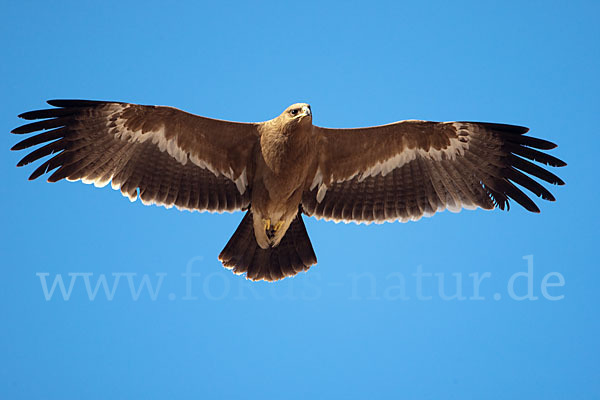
(64, 103)
(534, 208)
(530, 206)
(59, 102)
(545, 144)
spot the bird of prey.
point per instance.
(278, 170)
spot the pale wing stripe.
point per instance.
(117, 126)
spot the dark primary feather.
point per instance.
(39, 138)
(49, 113)
(505, 128)
(535, 170)
(76, 103)
(532, 154)
(525, 181)
(41, 125)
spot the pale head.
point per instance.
(295, 116)
(297, 112)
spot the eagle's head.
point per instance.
(295, 118)
(298, 113)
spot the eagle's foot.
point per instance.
(270, 229)
(267, 227)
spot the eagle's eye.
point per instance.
(294, 112)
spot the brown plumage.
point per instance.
(279, 169)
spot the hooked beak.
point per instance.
(306, 110)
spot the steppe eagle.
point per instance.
(278, 170)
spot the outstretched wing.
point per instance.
(161, 154)
(408, 169)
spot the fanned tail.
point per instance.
(293, 254)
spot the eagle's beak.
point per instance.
(306, 110)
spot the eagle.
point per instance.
(279, 169)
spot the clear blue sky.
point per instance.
(361, 323)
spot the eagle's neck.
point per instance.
(284, 145)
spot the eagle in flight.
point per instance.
(278, 170)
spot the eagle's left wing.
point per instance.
(408, 169)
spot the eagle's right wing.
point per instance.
(161, 154)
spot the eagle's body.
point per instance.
(287, 147)
(280, 169)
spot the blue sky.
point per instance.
(369, 319)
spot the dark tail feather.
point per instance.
(243, 255)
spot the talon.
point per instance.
(267, 224)
(277, 226)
